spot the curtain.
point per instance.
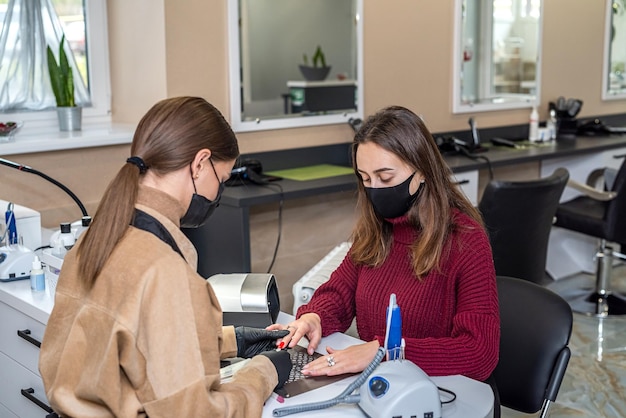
(29, 27)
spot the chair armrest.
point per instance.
(590, 191)
(595, 177)
(558, 372)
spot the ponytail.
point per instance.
(113, 216)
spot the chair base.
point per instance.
(601, 301)
(592, 303)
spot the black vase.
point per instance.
(314, 73)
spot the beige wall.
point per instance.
(161, 48)
(407, 60)
(138, 57)
(174, 47)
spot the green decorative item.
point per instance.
(61, 77)
(62, 81)
(319, 71)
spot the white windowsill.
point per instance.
(92, 135)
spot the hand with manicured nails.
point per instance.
(253, 341)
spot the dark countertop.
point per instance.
(249, 195)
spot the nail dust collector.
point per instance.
(247, 298)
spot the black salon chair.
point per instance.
(518, 216)
(600, 213)
(535, 328)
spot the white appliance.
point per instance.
(249, 299)
(15, 262)
(400, 389)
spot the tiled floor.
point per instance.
(595, 381)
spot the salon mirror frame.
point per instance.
(608, 92)
(240, 123)
(494, 102)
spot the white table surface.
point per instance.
(474, 399)
(18, 295)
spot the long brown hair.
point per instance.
(403, 133)
(166, 139)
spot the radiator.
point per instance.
(304, 288)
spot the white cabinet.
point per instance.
(571, 252)
(5, 413)
(20, 382)
(23, 315)
(468, 182)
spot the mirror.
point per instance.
(614, 79)
(270, 40)
(497, 50)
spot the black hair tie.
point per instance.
(139, 163)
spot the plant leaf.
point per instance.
(66, 72)
(319, 58)
(61, 77)
(55, 76)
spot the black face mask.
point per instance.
(395, 201)
(201, 208)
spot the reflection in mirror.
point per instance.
(294, 63)
(614, 80)
(497, 50)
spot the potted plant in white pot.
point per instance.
(319, 71)
(62, 80)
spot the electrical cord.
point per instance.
(31, 170)
(475, 157)
(344, 397)
(280, 224)
(449, 392)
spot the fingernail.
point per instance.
(281, 345)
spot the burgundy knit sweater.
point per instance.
(450, 318)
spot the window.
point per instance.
(25, 32)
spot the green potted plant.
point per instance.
(62, 81)
(319, 70)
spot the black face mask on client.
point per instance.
(201, 208)
(395, 201)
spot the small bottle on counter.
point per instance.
(551, 124)
(37, 276)
(533, 127)
(58, 249)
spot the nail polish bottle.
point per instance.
(37, 277)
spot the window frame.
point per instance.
(98, 71)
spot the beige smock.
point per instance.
(147, 338)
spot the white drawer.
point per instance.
(16, 378)
(468, 182)
(24, 352)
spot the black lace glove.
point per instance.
(253, 341)
(282, 362)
